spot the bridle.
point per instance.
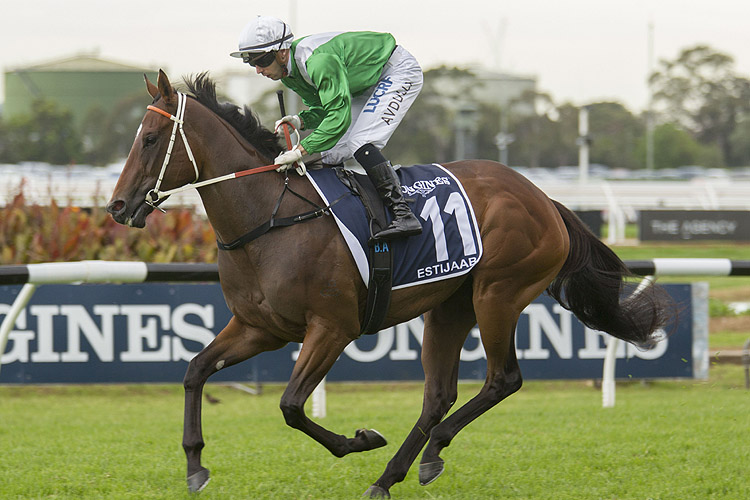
(155, 195)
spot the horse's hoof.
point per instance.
(431, 471)
(198, 481)
(372, 438)
(376, 491)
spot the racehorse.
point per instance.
(300, 284)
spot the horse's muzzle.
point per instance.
(120, 213)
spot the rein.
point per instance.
(155, 195)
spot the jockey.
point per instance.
(357, 87)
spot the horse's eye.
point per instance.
(149, 140)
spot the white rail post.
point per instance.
(10, 319)
(319, 400)
(85, 271)
(608, 376)
(610, 358)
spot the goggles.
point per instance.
(263, 60)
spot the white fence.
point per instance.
(77, 186)
(33, 275)
(665, 267)
(623, 199)
(620, 199)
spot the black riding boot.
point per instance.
(404, 223)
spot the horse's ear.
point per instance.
(165, 88)
(152, 90)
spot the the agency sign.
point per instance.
(691, 225)
(149, 332)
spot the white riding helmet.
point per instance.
(264, 34)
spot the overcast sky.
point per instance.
(580, 51)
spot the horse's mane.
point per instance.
(203, 89)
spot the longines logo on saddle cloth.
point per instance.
(425, 187)
(449, 245)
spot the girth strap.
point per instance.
(381, 257)
(273, 222)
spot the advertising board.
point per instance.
(691, 225)
(130, 333)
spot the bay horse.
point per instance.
(300, 284)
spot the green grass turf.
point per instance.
(552, 440)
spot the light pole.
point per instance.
(504, 139)
(583, 144)
(466, 130)
(650, 111)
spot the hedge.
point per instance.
(53, 233)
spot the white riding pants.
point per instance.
(378, 111)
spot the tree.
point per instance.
(701, 92)
(47, 134)
(108, 133)
(615, 132)
(566, 152)
(539, 136)
(426, 133)
(740, 141)
(488, 121)
(5, 146)
(674, 147)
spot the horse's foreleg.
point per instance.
(320, 349)
(445, 331)
(503, 379)
(235, 343)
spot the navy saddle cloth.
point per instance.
(450, 244)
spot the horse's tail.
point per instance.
(592, 285)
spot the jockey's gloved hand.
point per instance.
(294, 120)
(288, 159)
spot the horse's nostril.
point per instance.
(116, 207)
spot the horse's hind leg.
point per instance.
(445, 331)
(503, 379)
(235, 343)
